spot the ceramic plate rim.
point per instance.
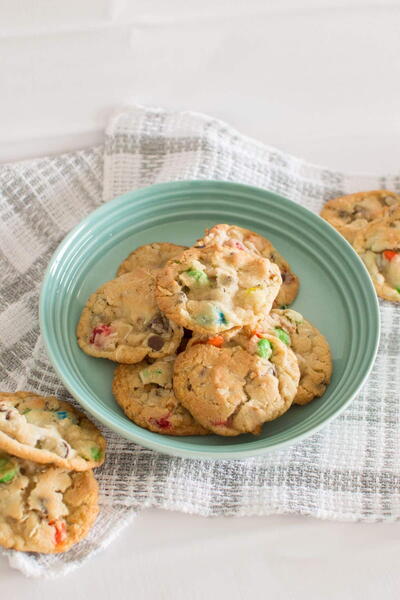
(163, 445)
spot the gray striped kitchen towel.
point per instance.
(348, 471)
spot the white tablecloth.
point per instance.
(319, 79)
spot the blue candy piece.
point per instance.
(221, 318)
(62, 414)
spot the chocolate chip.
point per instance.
(159, 324)
(155, 342)
(343, 214)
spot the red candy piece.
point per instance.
(61, 531)
(237, 244)
(389, 254)
(162, 422)
(100, 330)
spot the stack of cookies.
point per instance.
(204, 337)
(48, 493)
(370, 221)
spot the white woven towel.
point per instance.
(348, 471)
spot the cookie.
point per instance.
(231, 391)
(216, 288)
(47, 430)
(122, 322)
(350, 214)
(311, 349)
(44, 508)
(378, 245)
(145, 394)
(150, 256)
(233, 236)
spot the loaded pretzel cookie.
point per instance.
(307, 342)
(233, 236)
(379, 247)
(145, 393)
(230, 390)
(309, 345)
(44, 508)
(215, 288)
(122, 322)
(352, 213)
(47, 430)
(150, 256)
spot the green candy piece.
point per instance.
(7, 470)
(95, 453)
(282, 335)
(264, 348)
(398, 290)
(199, 276)
(149, 372)
(284, 306)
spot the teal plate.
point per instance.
(336, 294)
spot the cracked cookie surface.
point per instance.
(122, 322)
(352, 213)
(378, 245)
(150, 256)
(145, 393)
(233, 236)
(216, 288)
(48, 430)
(44, 508)
(231, 391)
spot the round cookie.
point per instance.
(231, 391)
(150, 256)
(233, 236)
(311, 349)
(215, 288)
(44, 508)
(122, 322)
(378, 245)
(47, 430)
(145, 394)
(350, 214)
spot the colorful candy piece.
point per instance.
(7, 470)
(60, 534)
(390, 254)
(216, 341)
(282, 335)
(264, 348)
(95, 453)
(62, 414)
(100, 330)
(199, 276)
(221, 318)
(162, 422)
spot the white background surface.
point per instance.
(317, 78)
